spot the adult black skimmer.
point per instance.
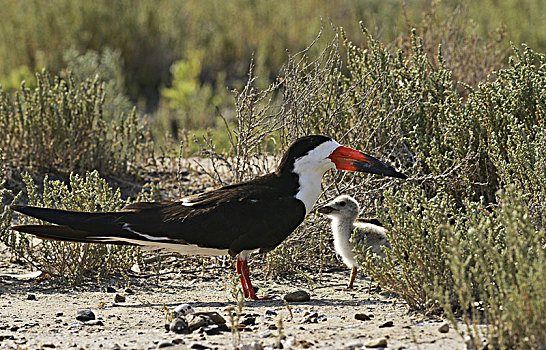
(343, 211)
(235, 220)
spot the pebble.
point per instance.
(48, 345)
(94, 323)
(110, 289)
(270, 313)
(59, 314)
(198, 346)
(265, 334)
(387, 324)
(179, 325)
(164, 344)
(377, 343)
(183, 310)
(444, 328)
(196, 322)
(249, 321)
(129, 291)
(298, 296)
(118, 298)
(212, 329)
(353, 346)
(363, 317)
(252, 346)
(85, 315)
(213, 315)
(311, 318)
(31, 297)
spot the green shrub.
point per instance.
(108, 67)
(498, 268)
(72, 262)
(60, 125)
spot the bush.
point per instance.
(61, 125)
(71, 262)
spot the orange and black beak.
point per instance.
(346, 158)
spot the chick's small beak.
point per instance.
(346, 158)
(325, 209)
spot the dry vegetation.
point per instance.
(467, 229)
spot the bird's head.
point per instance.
(341, 208)
(321, 153)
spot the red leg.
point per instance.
(240, 272)
(246, 276)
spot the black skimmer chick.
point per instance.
(256, 215)
(343, 212)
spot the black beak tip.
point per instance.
(400, 175)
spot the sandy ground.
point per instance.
(139, 322)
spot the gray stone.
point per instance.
(196, 322)
(363, 317)
(85, 315)
(118, 298)
(387, 324)
(183, 310)
(265, 334)
(377, 343)
(444, 328)
(298, 296)
(164, 344)
(179, 325)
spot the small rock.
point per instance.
(31, 297)
(377, 343)
(94, 323)
(7, 337)
(298, 296)
(353, 346)
(110, 289)
(249, 321)
(265, 334)
(14, 328)
(213, 316)
(252, 346)
(164, 344)
(118, 298)
(129, 291)
(303, 344)
(198, 346)
(270, 313)
(85, 315)
(212, 329)
(183, 310)
(311, 318)
(196, 322)
(59, 314)
(48, 345)
(444, 328)
(362, 317)
(386, 324)
(322, 318)
(179, 325)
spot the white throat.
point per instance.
(310, 169)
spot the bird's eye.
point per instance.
(342, 204)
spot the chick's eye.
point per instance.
(342, 204)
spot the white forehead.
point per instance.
(345, 198)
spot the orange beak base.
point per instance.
(346, 158)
